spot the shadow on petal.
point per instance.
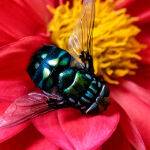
(136, 109)
(117, 141)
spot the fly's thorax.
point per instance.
(46, 64)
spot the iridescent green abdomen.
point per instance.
(46, 64)
(73, 83)
(80, 87)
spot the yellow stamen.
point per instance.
(115, 48)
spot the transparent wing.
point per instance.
(81, 38)
(27, 107)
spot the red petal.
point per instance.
(50, 127)
(144, 17)
(24, 21)
(81, 131)
(136, 109)
(140, 92)
(124, 3)
(6, 133)
(15, 57)
(117, 141)
(10, 90)
(43, 144)
(144, 37)
(28, 139)
(130, 131)
(139, 5)
(125, 135)
(40, 8)
(142, 11)
(142, 77)
(86, 132)
(5, 37)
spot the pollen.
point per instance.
(115, 47)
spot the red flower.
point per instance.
(23, 26)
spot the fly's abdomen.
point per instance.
(77, 86)
(83, 90)
(73, 83)
(46, 64)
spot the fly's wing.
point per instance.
(27, 107)
(81, 38)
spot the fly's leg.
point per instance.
(57, 103)
(88, 61)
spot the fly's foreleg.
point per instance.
(88, 61)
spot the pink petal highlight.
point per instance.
(88, 132)
(144, 17)
(140, 92)
(7, 133)
(50, 127)
(124, 3)
(43, 144)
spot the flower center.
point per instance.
(115, 48)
